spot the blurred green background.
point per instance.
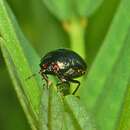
(45, 33)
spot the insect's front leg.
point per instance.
(76, 82)
(45, 77)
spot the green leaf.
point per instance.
(109, 103)
(98, 27)
(69, 9)
(87, 7)
(60, 8)
(108, 78)
(51, 110)
(124, 120)
(76, 116)
(53, 116)
(24, 59)
(20, 93)
(107, 56)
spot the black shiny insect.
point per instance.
(65, 64)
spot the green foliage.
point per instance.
(107, 79)
(104, 93)
(125, 113)
(51, 110)
(73, 16)
(108, 54)
(60, 8)
(67, 9)
(13, 43)
(87, 7)
(76, 116)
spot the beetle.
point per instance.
(64, 64)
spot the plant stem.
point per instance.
(76, 30)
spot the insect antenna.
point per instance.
(33, 75)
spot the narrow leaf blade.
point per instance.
(87, 7)
(109, 104)
(21, 55)
(51, 110)
(77, 118)
(107, 56)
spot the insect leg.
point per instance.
(58, 84)
(44, 76)
(65, 88)
(77, 82)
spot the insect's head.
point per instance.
(45, 68)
